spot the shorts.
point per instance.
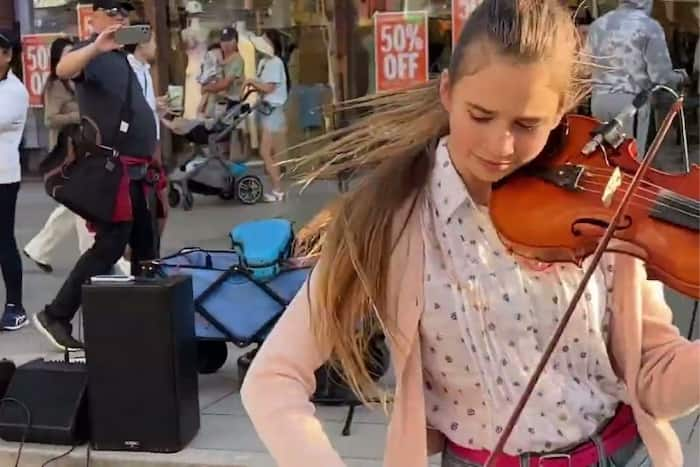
(276, 122)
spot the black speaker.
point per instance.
(142, 364)
(47, 401)
(7, 371)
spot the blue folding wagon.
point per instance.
(230, 304)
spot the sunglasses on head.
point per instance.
(114, 12)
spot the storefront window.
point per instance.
(305, 35)
(362, 61)
(62, 18)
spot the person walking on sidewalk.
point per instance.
(273, 84)
(105, 83)
(13, 116)
(60, 111)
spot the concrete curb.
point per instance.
(34, 455)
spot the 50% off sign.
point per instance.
(461, 10)
(36, 62)
(401, 49)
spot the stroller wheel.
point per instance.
(188, 202)
(174, 197)
(249, 189)
(211, 356)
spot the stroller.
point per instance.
(240, 295)
(208, 173)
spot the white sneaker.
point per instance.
(273, 197)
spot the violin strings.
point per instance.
(667, 194)
(607, 171)
(637, 198)
(632, 202)
(590, 176)
(656, 202)
(642, 205)
(676, 196)
(694, 207)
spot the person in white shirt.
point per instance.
(13, 116)
(141, 58)
(273, 84)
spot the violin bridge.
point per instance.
(613, 184)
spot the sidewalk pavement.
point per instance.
(226, 436)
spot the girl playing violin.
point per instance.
(412, 253)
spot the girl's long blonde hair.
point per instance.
(392, 145)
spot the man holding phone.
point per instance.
(115, 116)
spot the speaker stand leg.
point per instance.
(348, 420)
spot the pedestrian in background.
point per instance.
(108, 92)
(273, 84)
(14, 101)
(60, 112)
(227, 88)
(141, 58)
(630, 54)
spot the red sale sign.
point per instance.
(85, 21)
(401, 49)
(36, 63)
(461, 9)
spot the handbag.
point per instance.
(89, 183)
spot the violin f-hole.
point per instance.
(578, 227)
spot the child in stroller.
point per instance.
(208, 172)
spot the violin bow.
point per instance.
(597, 255)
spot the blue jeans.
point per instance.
(620, 459)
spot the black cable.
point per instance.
(26, 428)
(87, 461)
(67, 453)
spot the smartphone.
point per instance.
(133, 34)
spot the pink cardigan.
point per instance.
(659, 367)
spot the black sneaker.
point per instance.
(57, 332)
(47, 268)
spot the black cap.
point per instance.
(229, 34)
(109, 4)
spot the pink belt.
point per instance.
(620, 432)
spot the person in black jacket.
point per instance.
(105, 86)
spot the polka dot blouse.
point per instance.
(486, 322)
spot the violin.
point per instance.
(585, 195)
(557, 208)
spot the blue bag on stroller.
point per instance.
(263, 246)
